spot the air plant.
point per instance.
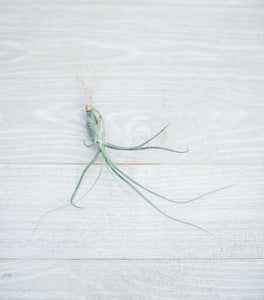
(95, 127)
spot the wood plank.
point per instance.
(219, 121)
(235, 279)
(116, 42)
(117, 223)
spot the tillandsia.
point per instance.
(95, 127)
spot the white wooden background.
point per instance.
(198, 64)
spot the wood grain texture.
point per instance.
(117, 223)
(224, 124)
(52, 41)
(146, 67)
(239, 279)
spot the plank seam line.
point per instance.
(133, 259)
(146, 5)
(135, 164)
(113, 79)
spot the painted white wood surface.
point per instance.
(197, 64)
(134, 42)
(224, 124)
(116, 223)
(132, 279)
